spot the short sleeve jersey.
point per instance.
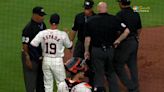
(131, 19)
(103, 29)
(53, 42)
(79, 25)
(29, 32)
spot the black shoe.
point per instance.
(99, 89)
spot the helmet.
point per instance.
(74, 65)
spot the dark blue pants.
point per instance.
(103, 66)
(126, 54)
(79, 49)
(33, 78)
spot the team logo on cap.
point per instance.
(87, 3)
(123, 25)
(42, 10)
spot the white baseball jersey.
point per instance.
(53, 42)
(81, 87)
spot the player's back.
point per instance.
(53, 42)
(82, 87)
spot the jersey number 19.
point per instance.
(50, 48)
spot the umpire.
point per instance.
(78, 28)
(126, 53)
(31, 57)
(102, 30)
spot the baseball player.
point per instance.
(76, 83)
(53, 42)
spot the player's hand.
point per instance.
(87, 55)
(137, 38)
(70, 50)
(41, 58)
(28, 63)
(86, 67)
(116, 43)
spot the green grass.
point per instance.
(14, 14)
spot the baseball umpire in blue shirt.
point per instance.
(31, 57)
(126, 52)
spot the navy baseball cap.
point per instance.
(39, 10)
(88, 4)
(123, 0)
(55, 18)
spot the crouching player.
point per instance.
(76, 83)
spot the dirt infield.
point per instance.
(150, 60)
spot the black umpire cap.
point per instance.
(124, 2)
(39, 10)
(88, 4)
(55, 18)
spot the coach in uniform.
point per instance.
(31, 57)
(78, 28)
(102, 30)
(126, 53)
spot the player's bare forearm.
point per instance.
(26, 50)
(122, 37)
(86, 45)
(72, 35)
(27, 57)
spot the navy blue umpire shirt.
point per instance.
(131, 19)
(29, 32)
(103, 29)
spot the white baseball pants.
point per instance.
(53, 68)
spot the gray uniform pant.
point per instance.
(126, 53)
(103, 65)
(33, 78)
